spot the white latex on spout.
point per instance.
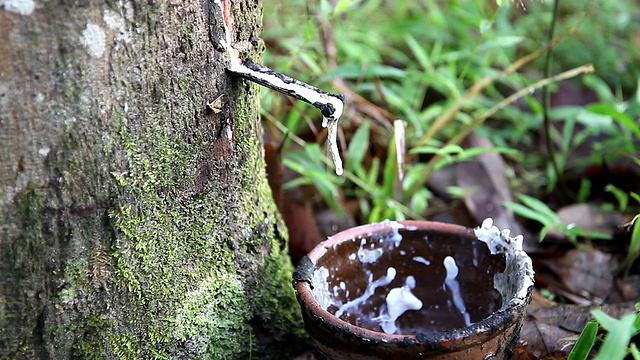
(516, 281)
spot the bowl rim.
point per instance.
(481, 331)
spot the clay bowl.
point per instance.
(415, 290)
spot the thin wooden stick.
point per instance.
(584, 69)
(473, 92)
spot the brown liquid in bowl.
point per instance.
(349, 278)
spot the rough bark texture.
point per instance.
(135, 222)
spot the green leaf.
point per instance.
(375, 214)
(413, 175)
(503, 41)
(485, 25)
(327, 189)
(365, 207)
(420, 201)
(451, 149)
(601, 87)
(585, 189)
(425, 150)
(543, 232)
(539, 206)
(622, 118)
(311, 62)
(534, 104)
(390, 173)
(633, 350)
(567, 133)
(419, 52)
(341, 7)
(594, 120)
(471, 152)
(358, 145)
(398, 215)
(563, 113)
(445, 150)
(294, 121)
(307, 163)
(621, 196)
(356, 71)
(325, 8)
(308, 31)
(634, 246)
(294, 183)
(459, 192)
(527, 212)
(552, 176)
(620, 332)
(585, 342)
(596, 235)
(373, 171)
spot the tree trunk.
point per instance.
(135, 221)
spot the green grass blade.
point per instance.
(585, 342)
(527, 212)
(358, 145)
(341, 6)
(419, 52)
(537, 205)
(620, 332)
(390, 171)
(622, 118)
(634, 246)
(621, 196)
(633, 350)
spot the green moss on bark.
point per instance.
(200, 253)
(218, 310)
(158, 216)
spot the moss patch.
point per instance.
(172, 248)
(198, 256)
(218, 308)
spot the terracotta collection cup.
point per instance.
(415, 290)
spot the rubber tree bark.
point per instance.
(135, 220)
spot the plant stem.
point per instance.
(551, 154)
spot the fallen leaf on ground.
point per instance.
(538, 301)
(305, 356)
(589, 218)
(629, 287)
(540, 339)
(575, 317)
(487, 175)
(586, 272)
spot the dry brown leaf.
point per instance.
(486, 178)
(304, 356)
(575, 317)
(441, 179)
(629, 287)
(586, 272)
(540, 339)
(589, 218)
(539, 302)
(522, 354)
